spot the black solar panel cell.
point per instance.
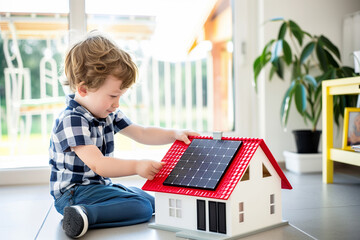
(203, 164)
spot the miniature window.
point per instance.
(272, 203)
(266, 172)
(241, 212)
(246, 175)
(175, 208)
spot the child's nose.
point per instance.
(116, 104)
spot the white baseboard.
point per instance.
(24, 176)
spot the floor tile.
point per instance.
(22, 210)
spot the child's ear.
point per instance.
(82, 89)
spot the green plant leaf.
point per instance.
(287, 52)
(279, 67)
(341, 105)
(296, 31)
(282, 30)
(337, 110)
(257, 69)
(261, 61)
(318, 93)
(311, 80)
(300, 98)
(267, 47)
(307, 34)
(307, 116)
(325, 76)
(272, 71)
(296, 70)
(330, 58)
(320, 53)
(317, 115)
(306, 52)
(333, 73)
(329, 45)
(348, 71)
(276, 50)
(286, 104)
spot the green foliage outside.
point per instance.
(32, 51)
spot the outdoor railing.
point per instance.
(172, 95)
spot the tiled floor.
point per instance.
(313, 209)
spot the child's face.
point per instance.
(105, 100)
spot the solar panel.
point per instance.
(203, 164)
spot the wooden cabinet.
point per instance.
(330, 154)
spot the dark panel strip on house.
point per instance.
(201, 220)
(213, 217)
(221, 217)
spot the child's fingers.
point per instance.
(186, 140)
(152, 174)
(184, 136)
(158, 165)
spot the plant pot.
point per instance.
(307, 141)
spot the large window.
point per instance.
(183, 50)
(32, 46)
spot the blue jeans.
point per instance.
(109, 206)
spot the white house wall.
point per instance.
(255, 194)
(188, 219)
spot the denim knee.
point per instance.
(144, 209)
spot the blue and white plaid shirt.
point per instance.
(76, 126)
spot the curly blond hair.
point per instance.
(91, 60)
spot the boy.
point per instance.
(82, 142)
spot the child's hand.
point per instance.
(183, 135)
(148, 168)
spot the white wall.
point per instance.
(263, 116)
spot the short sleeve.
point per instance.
(73, 131)
(120, 121)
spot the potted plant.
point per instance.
(310, 59)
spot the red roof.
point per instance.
(231, 177)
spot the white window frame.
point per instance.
(175, 208)
(272, 204)
(241, 212)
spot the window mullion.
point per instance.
(77, 20)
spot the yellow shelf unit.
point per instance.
(330, 88)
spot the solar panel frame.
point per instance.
(203, 164)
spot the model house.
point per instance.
(247, 197)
